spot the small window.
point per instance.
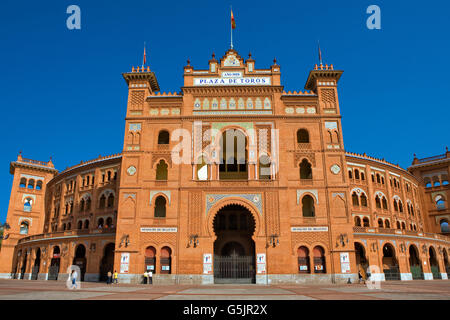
(380, 223)
(28, 205)
(355, 199)
(160, 207)
(357, 221)
(308, 206)
(363, 200)
(31, 184)
(444, 226)
(39, 185)
(366, 222)
(24, 227)
(161, 170)
(385, 206)
(302, 136)
(356, 174)
(23, 183)
(350, 175)
(163, 137)
(305, 170)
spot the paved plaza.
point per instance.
(56, 290)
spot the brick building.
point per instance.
(230, 180)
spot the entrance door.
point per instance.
(80, 260)
(234, 248)
(53, 270)
(415, 264)
(234, 269)
(37, 263)
(107, 262)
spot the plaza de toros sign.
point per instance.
(231, 81)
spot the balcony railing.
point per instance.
(75, 232)
(400, 232)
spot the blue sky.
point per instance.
(62, 93)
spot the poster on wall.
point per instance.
(207, 263)
(261, 263)
(124, 262)
(345, 262)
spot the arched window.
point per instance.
(398, 225)
(161, 170)
(64, 226)
(100, 223)
(69, 226)
(163, 137)
(363, 200)
(28, 205)
(88, 204)
(109, 222)
(302, 136)
(395, 205)
(387, 224)
(356, 174)
(403, 226)
(357, 221)
(384, 203)
(110, 200)
(377, 202)
(303, 260)
(165, 260)
(23, 183)
(440, 202)
(400, 206)
(382, 180)
(233, 155)
(80, 225)
(160, 207)
(380, 223)
(366, 222)
(39, 185)
(102, 202)
(444, 226)
(86, 224)
(362, 176)
(319, 260)
(378, 178)
(31, 184)
(355, 199)
(350, 175)
(150, 259)
(24, 227)
(264, 167)
(82, 205)
(305, 170)
(308, 206)
(109, 175)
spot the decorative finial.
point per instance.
(213, 55)
(415, 155)
(20, 152)
(249, 55)
(446, 149)
(188, 62)
(274, 60)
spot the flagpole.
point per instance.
(143, 58)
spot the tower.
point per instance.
(26, 213)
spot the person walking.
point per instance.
(74, 276)
(116, 277)
(109, 276)
(150, 279)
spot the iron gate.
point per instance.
(435, 272)
(417, 273)
(53, 272)
(234, 269)
(34, 273)
(393, 273)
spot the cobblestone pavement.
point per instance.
(391, 290)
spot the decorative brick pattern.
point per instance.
(137, 99)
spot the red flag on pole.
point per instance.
(233, 23)
(144, 60)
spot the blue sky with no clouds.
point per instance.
(62, 93)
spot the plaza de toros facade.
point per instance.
(230, 180)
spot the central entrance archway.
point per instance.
(234, 248)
